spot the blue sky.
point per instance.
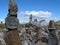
(50, 6)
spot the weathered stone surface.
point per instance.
(11, 23)
(25, 37)
(13, 8)
(53, 38)
(36, 24)
(41, 43)
(58, 36)
(51, 25)
(52, 34)
(12, 38)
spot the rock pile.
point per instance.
(34, 34)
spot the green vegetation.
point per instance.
(2, 26)
(57, 24)
(22, 25)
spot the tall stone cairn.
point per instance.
(11, 23)
(30, 18)
(52, 34)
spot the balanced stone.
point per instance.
(11, 21)
(52, 34)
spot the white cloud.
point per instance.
(41, 14)
(56, 19)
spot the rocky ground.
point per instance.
(29, 36)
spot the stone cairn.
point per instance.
(30, 18)
(32, 33)
(11, 23)
(38, 38)
(52, 34)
